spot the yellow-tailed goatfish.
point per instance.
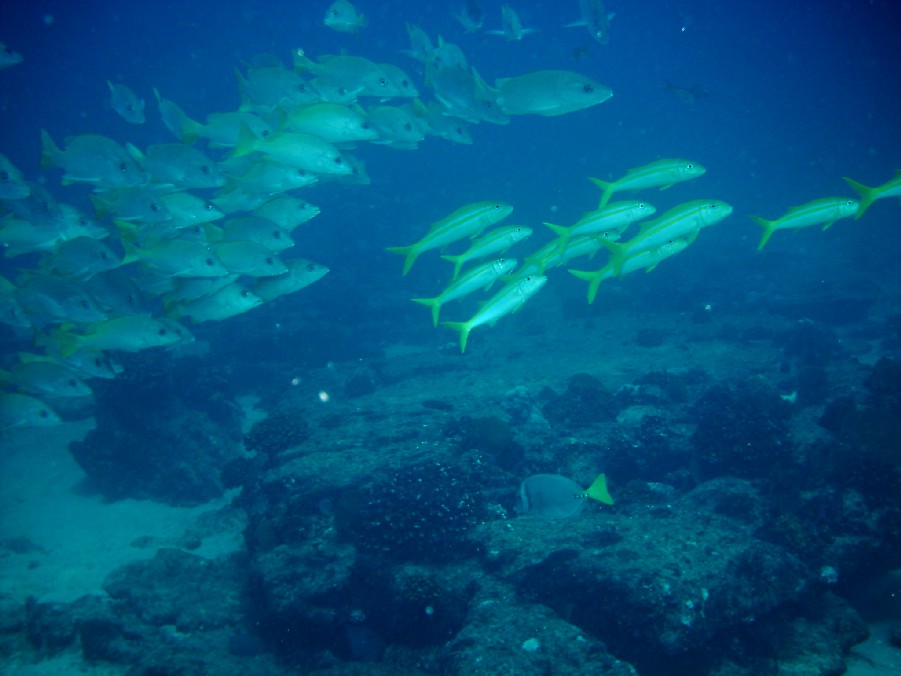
(609, 221)
(504, 302)
(480, 277)
(825, 211)
(467, 221)
(660, 174)
(624, 262)
(495, 241)
(682, 221)
(891, 188)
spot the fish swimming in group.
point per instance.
(480, 277)
(689, 95)
(549, 92)
(506, 301)
(126, 103)
(658, 174)
(467, 221)
(470, 16)
(492, 242)
(825, 212)
(891, 188)
(594, 17)
(343, 17)
(8, 57)
(511, 27)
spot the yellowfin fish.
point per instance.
(470, 17)
(229, 301)
(682, 221)
(552, 496)
(248, 258)
(495, 241)
(92, 158)
(624, 263)
(549, 92)
(129, 333)
(504, 302)
(12, 183)
(659, 174)
(611, 219)
(8, 57)
(301, 273)
(332, 122)
(467, 221)
(287, 211)
(512, 29)
(303, 151)
(45, 379)
(126, 103)
(22, 410)
(891, 188)
(480, 277)
(825, 212)
(343, 17)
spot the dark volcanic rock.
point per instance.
(655, 585)
(178, 588)
(164, 430)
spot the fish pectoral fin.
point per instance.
(664, 187)
(828, 225)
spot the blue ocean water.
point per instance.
(790, 98)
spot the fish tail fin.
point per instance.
(594, 281)
(867, 196)
(66, 343)
(50, 152)
(410, 254)
(247, 142)
(464, 328)
(617, 255)
(769, 227)
(458, 263)
(434, 304)
(607, 189)
(101, 206)
(598, 490)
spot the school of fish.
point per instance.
(200, 228)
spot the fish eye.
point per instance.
(210, 262)
(123, 167)
(161, 332)
(405, 83)
(588, 89)
(269, 261)
(84, 304)
(244, 293)
(691, 166)
(277, 234)
(205, 169)
(82, 221)
(338, 160)
(71, 383)
(310, 267)
(408, 127)
(383, 82)
(154, 208)
(265, 133)
(301, 173)
(209, 206)
(103, 256)
(849, 202)
(365, 125)
(43, 413)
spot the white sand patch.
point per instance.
(82, 537)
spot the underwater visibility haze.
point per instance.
(457, 337)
